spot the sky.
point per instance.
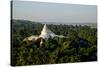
(54, 12)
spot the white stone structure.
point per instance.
(45, 34)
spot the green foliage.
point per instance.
(81, 45)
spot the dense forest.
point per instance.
(80, 46)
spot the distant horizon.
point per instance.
(56, 22)
(54, 12)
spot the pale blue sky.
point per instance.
(54, 12)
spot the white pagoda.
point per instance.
(46, 33)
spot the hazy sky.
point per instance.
(54, 12)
